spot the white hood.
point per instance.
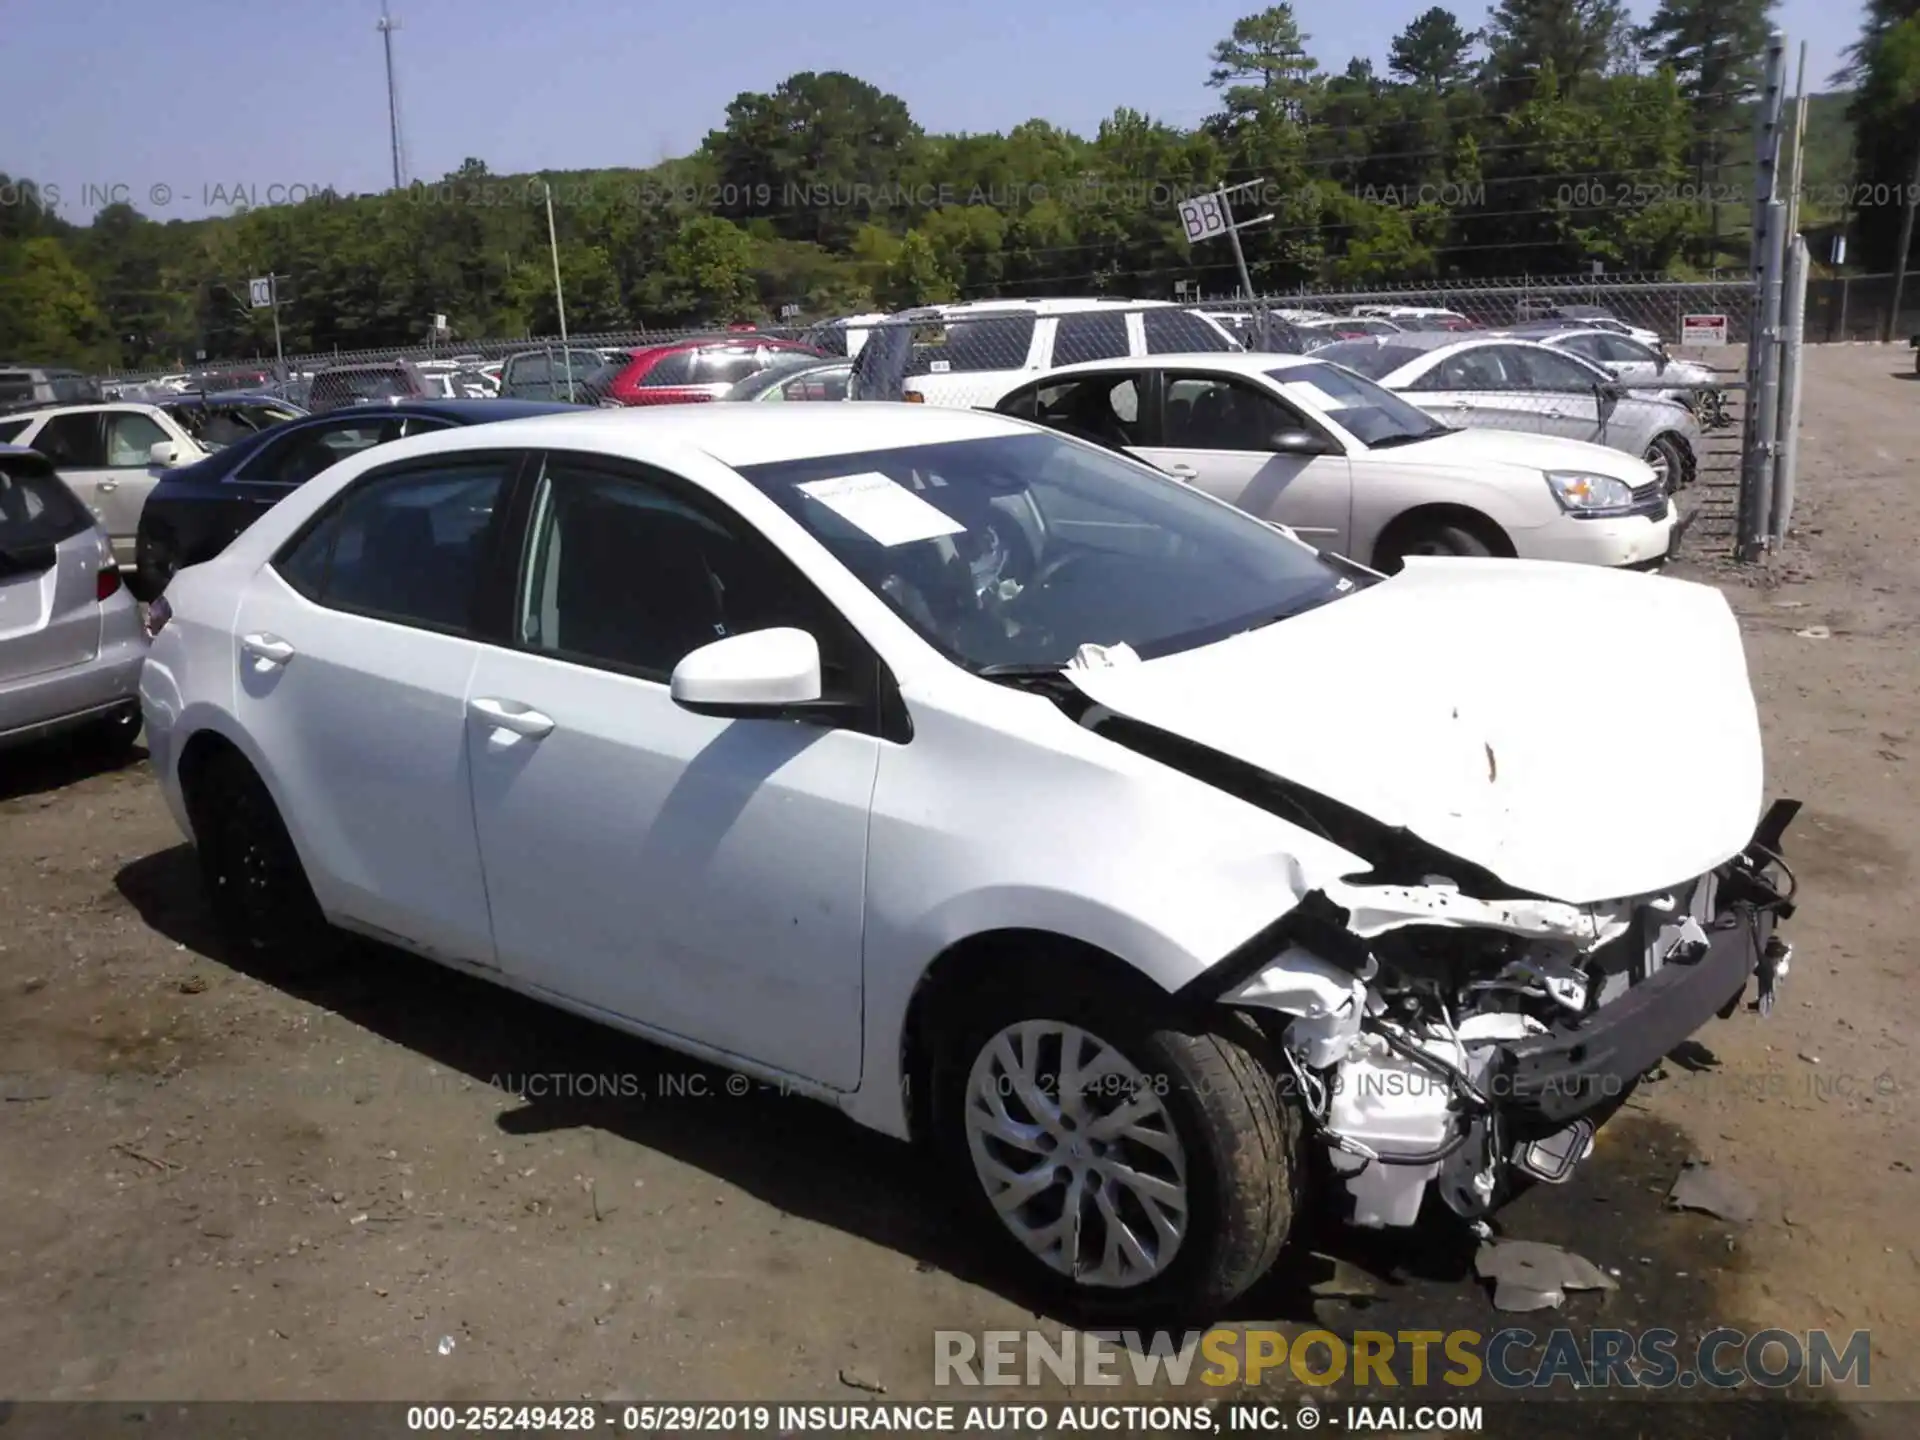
(1535, 452)
(1584, 734)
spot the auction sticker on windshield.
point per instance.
(882, 509)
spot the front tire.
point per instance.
(254, 881)
(1669, 461)
(1120, 1161)
(1430, 537)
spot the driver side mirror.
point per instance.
(163, 453)
(1298, 442)
(765, 675)
(1608, 397)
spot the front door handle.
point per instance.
(268, 648)
(107, 487)
(1183, 472)
(512, 716)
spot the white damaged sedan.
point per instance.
(997, 789)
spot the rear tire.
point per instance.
(1179, 1209)
(1431, 537)
(254, 881)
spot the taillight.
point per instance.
(158, 614)
(914, 397)
(107, 584)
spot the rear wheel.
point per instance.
(254, 881)
(1119, 1160)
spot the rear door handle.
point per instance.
(1183, 472)
(107, 487)
(512, 716)
(269, 648)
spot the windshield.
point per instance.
(215, 426)
(1014, 551)
(36, 509)
(1370, 358)
(1375, 415)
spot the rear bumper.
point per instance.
(43, 705)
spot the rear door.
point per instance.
(76, 444)
(50, 561)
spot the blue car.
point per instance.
(195, 511)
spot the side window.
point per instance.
(1020, 403)
(409, 546)
(623, 572)
(1590, 347)
(1102, 408)
(1545, 370)
(1479, 369)
(1208, 413)
(72, 441)
(11, 428)
(727, 367)
(297, 458)
(673, 368)
(1097, 335)
(1621, 350)
(1176, 332)
(130, 435)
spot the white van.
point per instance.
(972, 354)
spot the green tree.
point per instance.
(916, 276)
(815, 156)
(1431, 51)
(710, 272)
(1886, 114)
(1715, 49)
(1580, 39)
(1264, 63)
(48, 311)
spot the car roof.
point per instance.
(988, 309)
(741, 435)
(1237, 362)
(215, 397)
(477, 411)
(38, 412)
(744, 339)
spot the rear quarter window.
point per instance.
(37, 509)
(1175, 332)
(999, 342)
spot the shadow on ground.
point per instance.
(807, 1160)
(45, 766)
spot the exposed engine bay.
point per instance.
(1442, 1041)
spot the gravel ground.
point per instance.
(225, 1181)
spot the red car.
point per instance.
(688, 371)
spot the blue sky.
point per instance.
(175, 100)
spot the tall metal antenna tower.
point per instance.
(386, 25)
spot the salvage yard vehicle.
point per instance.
(1354, 468)
(111, 455)
(1506, 383)
(996, 788)
(196, 510)
(71, 643)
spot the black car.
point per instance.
(228, 417)
(195, 511)
(374, 383)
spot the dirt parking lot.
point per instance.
(376, 1179)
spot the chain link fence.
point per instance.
(1601, 362)
(1860, 307)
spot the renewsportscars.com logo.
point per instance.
(1513, 1358)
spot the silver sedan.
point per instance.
(71, 637)
(1506, 383)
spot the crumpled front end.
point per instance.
(1438, 1041)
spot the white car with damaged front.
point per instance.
(993, 787)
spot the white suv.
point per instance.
(110, 455)
(974, 353)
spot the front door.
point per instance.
(1217, 432)
(704, 877)
(127, 478)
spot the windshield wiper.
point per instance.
(1022, 670)
(1405, 438)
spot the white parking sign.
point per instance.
(1203, 217)
(261, 292)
